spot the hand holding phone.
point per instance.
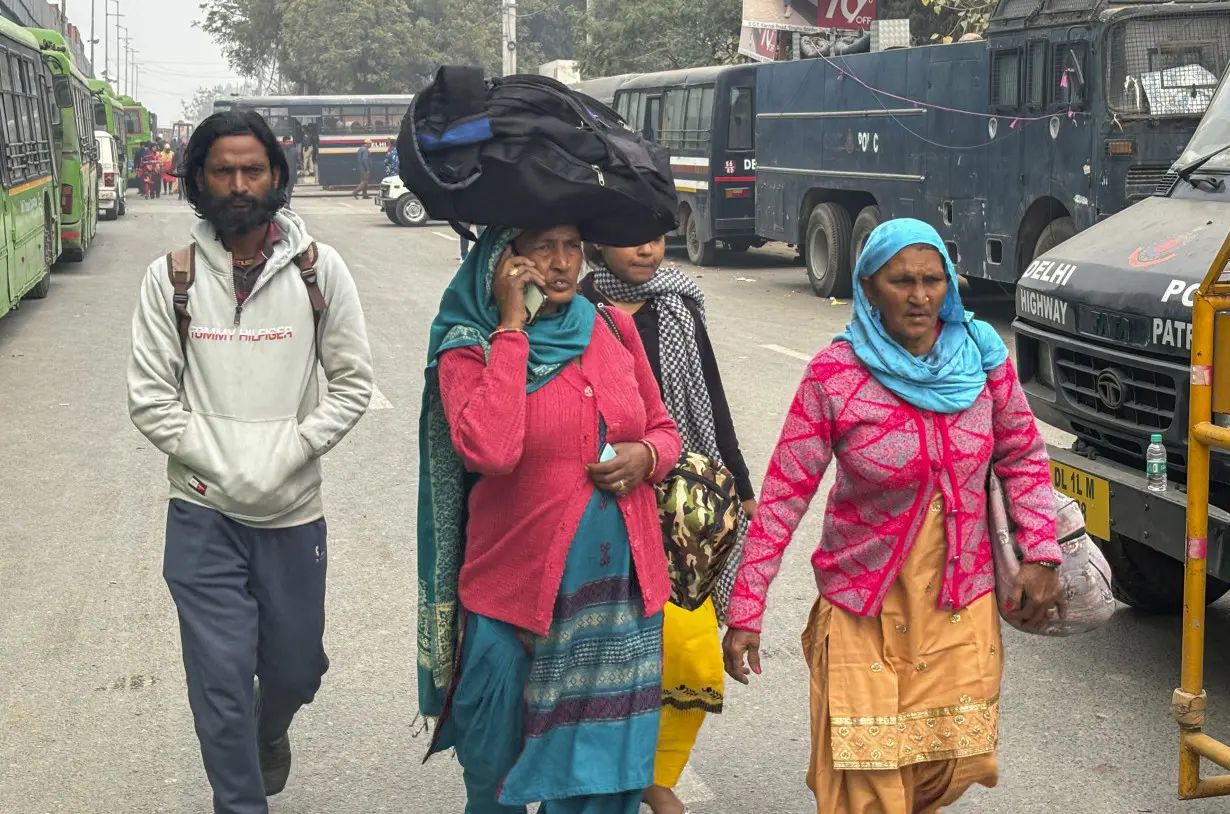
(517, 285)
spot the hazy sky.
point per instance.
(174, 58)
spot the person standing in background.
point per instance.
(392, 161)
(668, 310)
(365, 169)
(291, 150)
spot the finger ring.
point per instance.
(514, 272)
(619, 487)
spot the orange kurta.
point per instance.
(904, 706)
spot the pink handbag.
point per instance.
(1084, 575)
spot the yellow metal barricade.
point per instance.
(1211, 307)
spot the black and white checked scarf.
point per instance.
(684, 390)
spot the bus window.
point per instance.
(355, 119)
(673, 118)
(697, 119)
(653, 118)
(11, 135)
(741, 133)
(636, 111)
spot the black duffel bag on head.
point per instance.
(526, 151)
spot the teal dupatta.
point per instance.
(467, 316)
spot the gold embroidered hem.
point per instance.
(944, 733)
(904, 706)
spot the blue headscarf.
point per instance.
(949, 378)
(468, 314)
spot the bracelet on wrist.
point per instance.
(653, 457)
(498, 331)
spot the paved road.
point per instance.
(93, 714)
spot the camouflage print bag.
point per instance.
(698, 506)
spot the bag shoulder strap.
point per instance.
(605, 313)
(307, 271)
(181, 268)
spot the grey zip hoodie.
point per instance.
(242, 418)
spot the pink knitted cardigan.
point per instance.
(891, 459)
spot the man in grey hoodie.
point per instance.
(223, 379)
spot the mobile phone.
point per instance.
(534, 296)
(608, 452)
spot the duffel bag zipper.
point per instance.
(601, 178)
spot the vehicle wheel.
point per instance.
(1148, 580)
(701, 253)
(392, 216)
(123, 207)
(864, 225)
(1056, 232)
(74, 255)
(410, 211)
(41, 288)
(828, 251)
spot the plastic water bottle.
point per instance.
(1155, 464)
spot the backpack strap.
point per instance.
(605, 313)
(181, 268)
(307, 271)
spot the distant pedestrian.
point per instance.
(167, 162)
(392, 160)
(365, 168)
(244, 425)
(291, 151)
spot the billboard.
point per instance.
(782, 15)
(846, 15)
(760, 44)
(802, 16)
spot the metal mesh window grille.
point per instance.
(1035, 76)
(1166, 66)
(1006, 78)
(1068, 74)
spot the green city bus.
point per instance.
(29, 218)
(109, 116)
(76, 147)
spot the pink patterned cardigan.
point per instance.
(891, 457)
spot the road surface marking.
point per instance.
(691, 789)
(379, 400)
(446, 237)
(793, 354)
(347, 205)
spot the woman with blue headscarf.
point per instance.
(916, 401)
(541, 570)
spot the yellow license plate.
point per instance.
(1093, 495)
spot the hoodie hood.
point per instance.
(294, 241)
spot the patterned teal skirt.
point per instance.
(571, 718)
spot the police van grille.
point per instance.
(1144, 181)
(1149, 397)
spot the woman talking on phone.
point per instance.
(540, 555)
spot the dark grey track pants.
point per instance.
(251, 602)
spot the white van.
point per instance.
(112, 180)
(400, 204)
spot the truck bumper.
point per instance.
(1112, 494)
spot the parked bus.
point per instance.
(705, 117)
(333, 127)
(29, 217)
(603, 88)
(76, 147)
(109, 116)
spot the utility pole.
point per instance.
(509, 40)
(93, 37)
(117, 17)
